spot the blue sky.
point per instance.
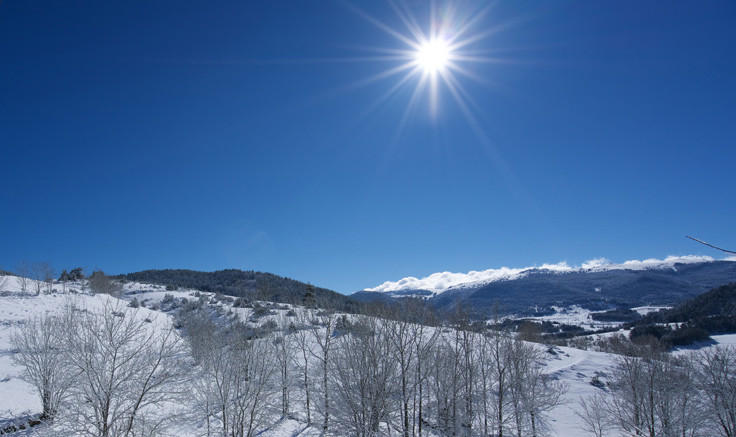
(210, 135)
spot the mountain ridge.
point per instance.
(442, 281)
(595, 286)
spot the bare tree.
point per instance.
(442, 385)
(679, 407)
(404, 337)
(47, 273)
(126, 368)
(427, 336)
(718, 384)
(252, 385)
(64, 278)
(627, 394)
(205, 399)
(520, 361)
(654, 394)
(234, 386)
(43, 275)
(594, 416)
(38, 274)
(284, 350)
(23, 270)
(541, 392)
(363, 372)
(467, 342)
(485, 383)
(323, 329)
(302, 339)
(498, 372)
(201, 332)
(40, 351)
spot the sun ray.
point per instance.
(439, 57)
(436, 55)
(391, 91)
(410, 107)
(468, 25)
(379, 76)
(408, 19)
(398, 35)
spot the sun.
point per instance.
(433, 56)
(437, 57)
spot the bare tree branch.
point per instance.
(710, 245)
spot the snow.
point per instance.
(575, 367)
(573, 315)
(19, 399)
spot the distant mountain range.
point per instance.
(595, 285)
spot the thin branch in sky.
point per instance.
(710, 245)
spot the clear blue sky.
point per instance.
(232, 134)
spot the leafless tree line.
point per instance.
(35, 276)
(40, 275)
(657, 394)
(107, 373)
(114, 373)
(366, 376)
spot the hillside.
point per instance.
(19, 403)
(713, 312)
(718, 302)
(247, 284)
(206, 339)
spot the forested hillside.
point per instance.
(713, 312)
(247, 284)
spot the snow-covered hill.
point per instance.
(20, 402)
(439, 282)
(596, 284)
(577, 369)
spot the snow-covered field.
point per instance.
(19, 400)
(577, 368)
(579, 316)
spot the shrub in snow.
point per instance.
(100, 283)
(260, 310)
(270, 325)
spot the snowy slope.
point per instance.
(575, 367)
(19, 399)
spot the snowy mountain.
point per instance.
(596, 284)
(183, 406)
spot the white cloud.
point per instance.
(439, 282)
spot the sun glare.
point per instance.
(433, 56)
(437, 56)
